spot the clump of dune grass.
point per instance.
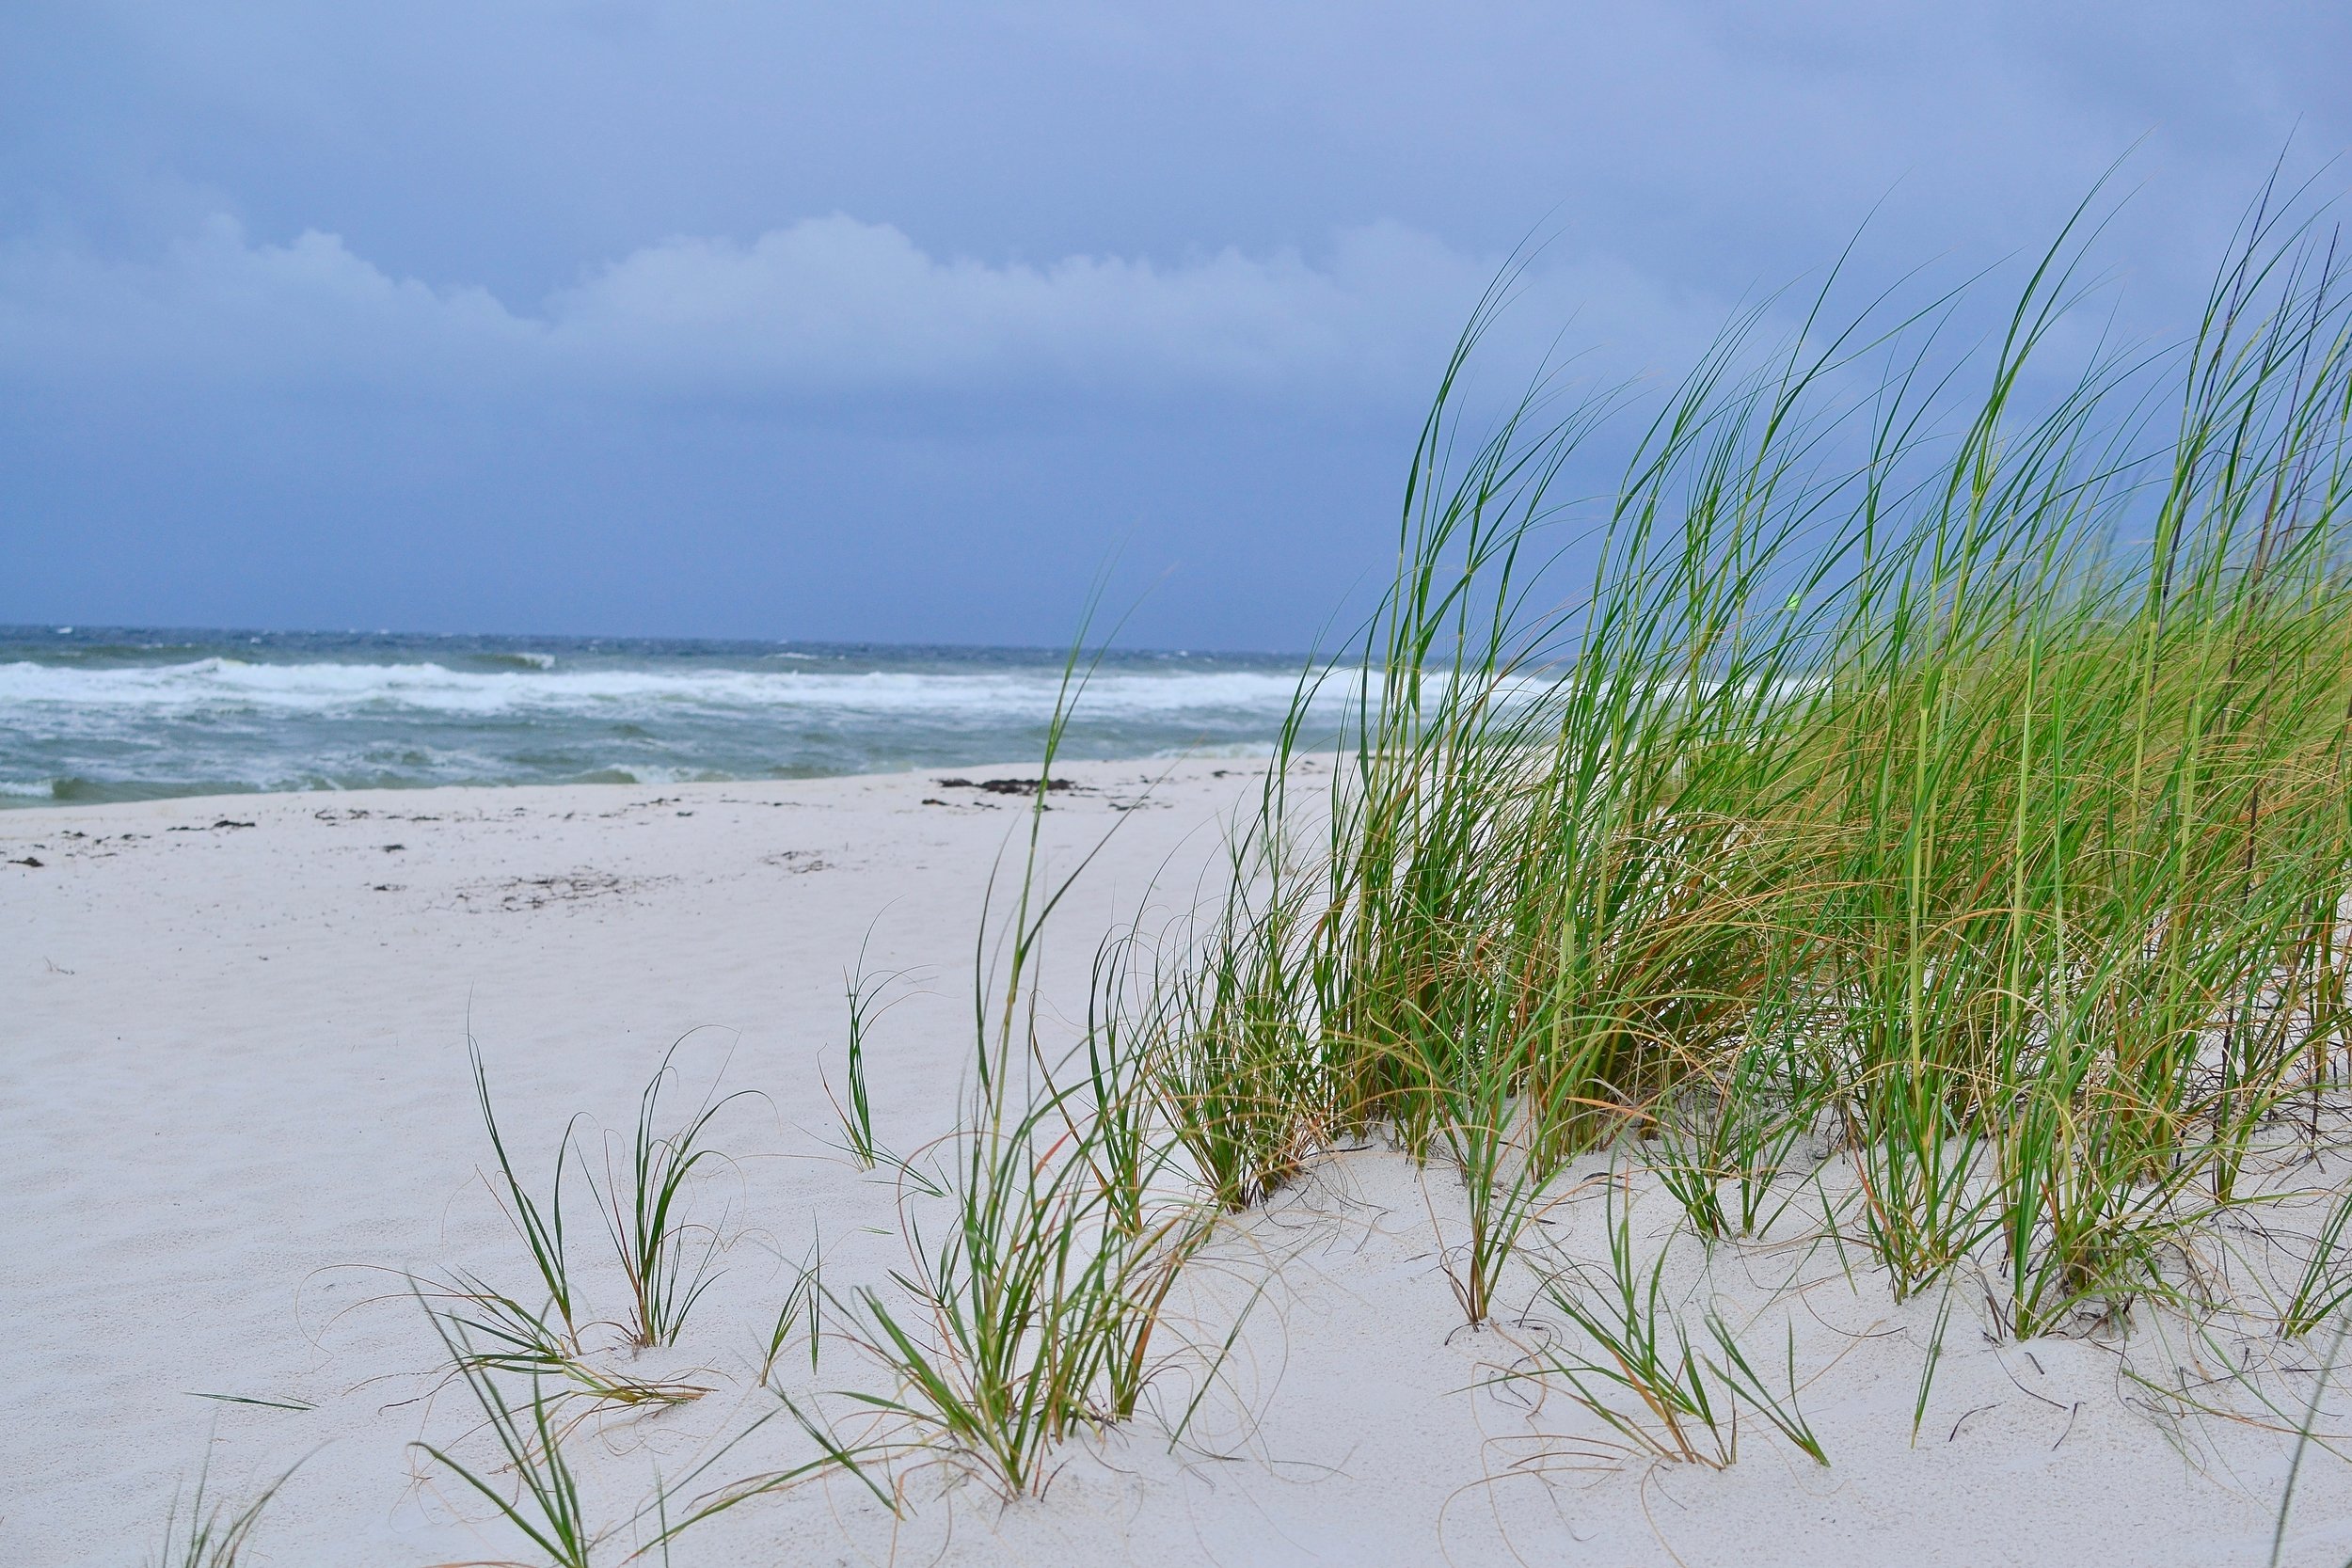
(1030, 1315)
(1937, 766)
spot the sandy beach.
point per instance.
(1666, 880)
(239, 1105)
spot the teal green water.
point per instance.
(111, 714)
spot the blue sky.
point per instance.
(896, 321)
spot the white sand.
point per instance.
(233, 1076)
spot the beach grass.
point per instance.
(1942, 775)
(1969, 779)
(667, 1258)
(1042, 1250)
(1635, 1364)
(666, 1261)
(204, 1531)
(539, 1225)
(545, 1506)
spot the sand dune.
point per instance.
(233, 1051)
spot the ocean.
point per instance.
(109, 713)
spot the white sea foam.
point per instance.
(227, 686)
(516, 715)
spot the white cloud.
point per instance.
(825, 307)
(217, 308)
(846, 303)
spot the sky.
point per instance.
(905, 322)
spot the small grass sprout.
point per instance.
(666, 1258)
(203, 1530)
(540, 1228)
(2325, 1284)
(1665, 1395)
(857, 1116)
(545, 1508)
(803, 1307)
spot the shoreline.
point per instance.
(1236, 755)
(104, 718)
(387, 794)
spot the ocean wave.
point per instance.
(228, 687)
(129, 713)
